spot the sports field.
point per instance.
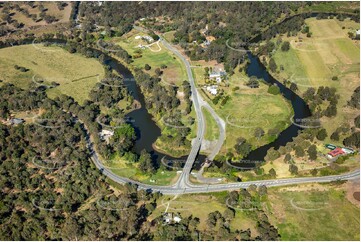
(76, 74)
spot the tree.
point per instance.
(293, 169)
(258, 132)
(352, 140)
(322, 134)
(147, 67)
(274, 89)
(272, 154)
(287, 158)
(335, 136)
(229, 214)
(253, 82)
(158, 72)
(242, 147)
(262, 190)
(272, 173)
(299, 151)
(272, 65)
(285, 46)
(314, 172)
(145, 162)
(312, 152)
(357, 121)
(293, 87)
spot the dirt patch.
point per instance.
(353, 192)
(356, 195)
(305, 187)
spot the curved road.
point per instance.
(183, 184)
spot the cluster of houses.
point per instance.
(169, 218)
(337, 151)
(145, 37)
(217, 76)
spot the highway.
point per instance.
(183, 185)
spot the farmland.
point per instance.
(314, 61)
(75, 74)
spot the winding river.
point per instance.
(147, 131)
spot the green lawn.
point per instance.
(211, 129)
(76, 74)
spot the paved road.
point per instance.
(184, 177)
(198, 104)
(183, 185)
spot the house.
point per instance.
(16, 121)
(208, 41)
(348, 150)
(217, 75)
(106, 134)
(212, 89)
(148, 38)
(335, 153)
(169, 218)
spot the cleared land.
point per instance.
(155, 55)
(51, 9)
(305, 212)
(125, 169)
(76, 74)
(314, 61)
(247, 109)
(314, 212)
(200, 205)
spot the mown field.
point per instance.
(328, 53)
(76, 74)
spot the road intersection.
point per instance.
(183, 184)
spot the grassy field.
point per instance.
(52, 10)
(303, 212)
(314, 61)
(212, 130)
(200, 205)
(156, 55)
(247, 109)
(162, 177)
(315, 213)
(76, 74)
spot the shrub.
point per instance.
(274, 89)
